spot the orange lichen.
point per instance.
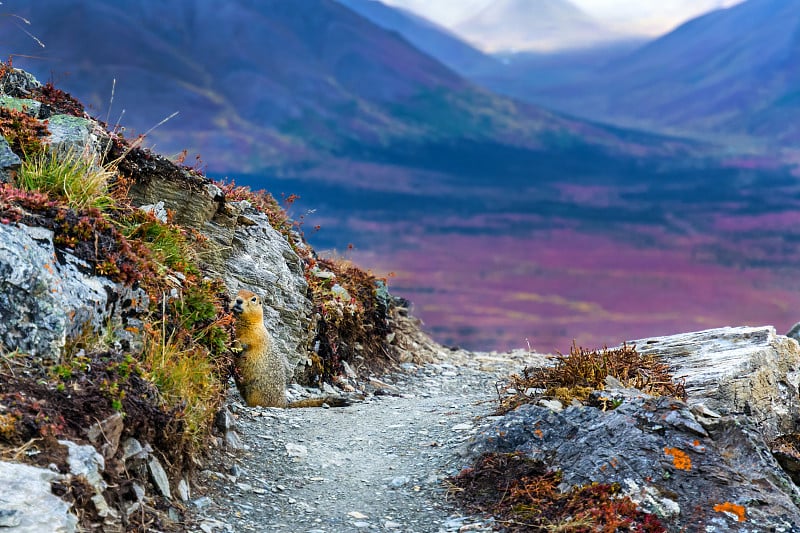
(680, 460)
(738, 510)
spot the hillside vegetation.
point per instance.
(164, 363)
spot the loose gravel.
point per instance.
(377, 465)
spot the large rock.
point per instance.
(243, 249)
(258, 258)
(74, 135)
(705, 461)
(47, 298)
(741, 370)
(688, 469)
(27, 504)
(9, 162)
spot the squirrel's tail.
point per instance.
(330, 401)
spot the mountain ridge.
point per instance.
(730, 72)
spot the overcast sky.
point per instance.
(650, 17)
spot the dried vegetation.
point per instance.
(575, 376)
(525, 496)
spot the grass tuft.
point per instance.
(577, 375)
(71, 177)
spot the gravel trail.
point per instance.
(377, 465)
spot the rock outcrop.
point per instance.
(686, 467)
(751, 371)
(47, 298)
(27, 504)
(243, 249)
(699, 464)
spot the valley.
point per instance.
(502, 220)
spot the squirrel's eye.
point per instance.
(254, 299)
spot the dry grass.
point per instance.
(525, 496)
(583, 371)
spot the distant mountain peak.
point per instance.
(528, 25)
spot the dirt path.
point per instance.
(374, 466)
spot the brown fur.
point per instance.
(259, 369)
(260, 373)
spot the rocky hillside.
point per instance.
(116, 271)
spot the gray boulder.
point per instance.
(26, 105)
(18, 83)
(27, 504)
(737, 370)
(74, 135)
(704, 461)
(46, 298)
(9, 162)
(686, 469)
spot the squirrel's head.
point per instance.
(246, 302)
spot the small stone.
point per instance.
(202, 502)
(174, 515)
(224, 420)
(322, 274)
(233, 441)
(399, 481)
(357, 515)
(159, 477)
(463, 427)
(703, 411)
(132, 508)
(553, 405)
(106, 434)
(296, 451)
(10, 517)
(158, 210)
(139, 491)
(348, 370)
(184, 493)
(392, 525)
(85, 461)
(102, 508)
(132, 448)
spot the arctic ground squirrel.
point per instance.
(260, 375)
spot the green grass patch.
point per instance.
(71, 177)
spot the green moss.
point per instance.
(23, 105)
